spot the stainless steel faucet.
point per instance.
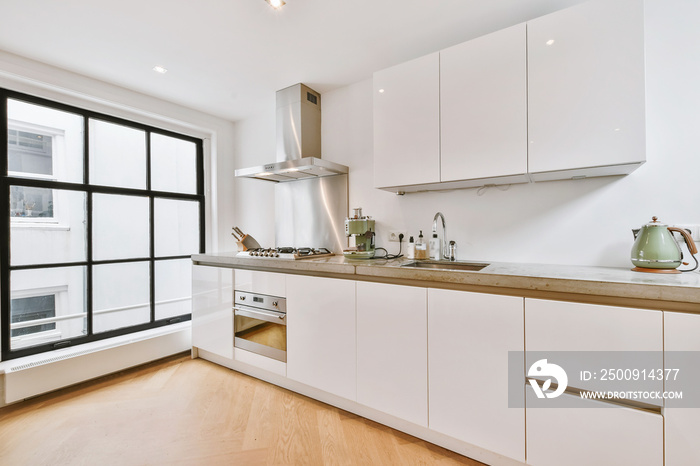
(445, 253)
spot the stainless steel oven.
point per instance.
(260, 324)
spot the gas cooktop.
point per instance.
(285, 253)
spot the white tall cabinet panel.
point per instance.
(407, 123)
(586, 88)
(682, 424)
(593, 434)
(212, 309)
(483, 107)
(392, 359)
(321, 349)
(469, 337)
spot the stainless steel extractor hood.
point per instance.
(298, 140)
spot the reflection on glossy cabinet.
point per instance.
(253, 281)
(469, 337)
(321, 349)
(586, 90)
(483, 107)
(212, 313)
(593, 433)
(392, 359)
(682, 424)
(407, 123)
(598, 330)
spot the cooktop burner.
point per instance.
(286, 253)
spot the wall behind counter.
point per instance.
(584, 222)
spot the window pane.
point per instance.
(173, 288)
(173, 164)
(44, 143)
(177, 227)
(117, 155)
(46, 305)
(120, 227)
(47, 226)
(121, 295)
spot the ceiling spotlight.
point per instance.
(276, 4)
(160, 69)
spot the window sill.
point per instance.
(39, 226)
(79, 350)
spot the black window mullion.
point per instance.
(5, 246)
(200, 193)
(151, 229)
(88, 229)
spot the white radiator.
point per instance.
(37, 375)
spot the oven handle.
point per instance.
(267, 316)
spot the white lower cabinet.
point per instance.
(593, 433)
(392, 357)
(682, 424)
(469, 337)
(212, 314)
(321, 349)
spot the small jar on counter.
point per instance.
(421, 247)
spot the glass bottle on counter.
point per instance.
(421, 247)
(411, 249)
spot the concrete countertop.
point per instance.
(617, 286)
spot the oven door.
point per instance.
(260, 331)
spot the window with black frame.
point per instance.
(101, 217)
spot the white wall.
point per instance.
(585, 222)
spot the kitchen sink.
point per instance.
(447, 265)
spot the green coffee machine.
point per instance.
(361, 229)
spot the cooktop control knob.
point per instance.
(274, 303)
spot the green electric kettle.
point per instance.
(655, 249)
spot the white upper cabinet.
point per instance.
(407, 123)
(586, 90)
(483, 107)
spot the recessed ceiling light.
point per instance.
(276, 4)
(160, 69)
(550, 42)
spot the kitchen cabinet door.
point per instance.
(557, 326)
(321, 349)
(586, 91)
(268, 283)
(469, 337)
(212, 309)
(682, 424)
(392, 357)
(407, 123)
(483, 107)
(592, 433)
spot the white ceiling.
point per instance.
(228, 57)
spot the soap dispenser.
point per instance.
(435, 246)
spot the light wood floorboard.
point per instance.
(181, 411)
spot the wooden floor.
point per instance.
(192, 412)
